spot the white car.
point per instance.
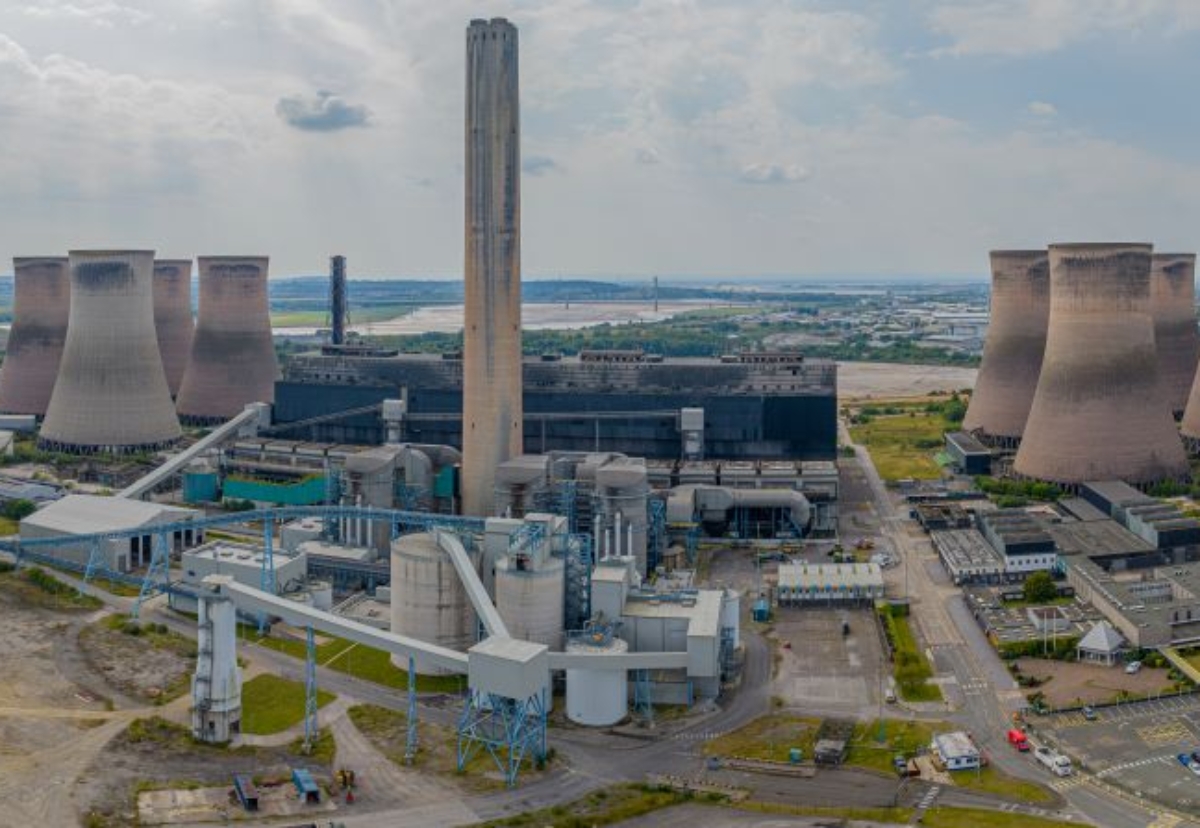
(1132, 667)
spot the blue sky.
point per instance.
(707, 137)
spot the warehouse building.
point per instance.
(967, 454)
(806, 585)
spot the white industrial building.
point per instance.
(805, 584)
(80, 514)
(245, 564)
(956, 750)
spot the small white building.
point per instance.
(244, 563)
(956, 750)
(81, 514)
(1102, 645)
(826, 583)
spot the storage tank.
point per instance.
(1012, 354)
(173, 316)
(429, 602)
(1099, 412)
(322, 595)
(597, 698)
(41, 304)
(111, 393)
(232, 359)
(530, 601)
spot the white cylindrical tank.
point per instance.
(731, 609)
(429, 602)
(597, 698)
(322, 595)
(530, 602)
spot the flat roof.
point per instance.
(966, 549)
(703, 616)
(1081, 509)
(830, 575)
(1099, 537)
(82, 514)
(967, 443)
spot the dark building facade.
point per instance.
(756, 406)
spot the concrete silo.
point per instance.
(1012, 355)
(1098, 413)
(429, 601)
(41, 304)
(232, 360)
(1173, 299)
(173, 316)
(492, 387)
(111, 393)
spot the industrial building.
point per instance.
(232, 361)
(173, 316)
(764, 406)
(967, 454)
(41, 306)
(1099, 411)
(244, 563)
(1012, 354)
(111, 393)
(804, 584)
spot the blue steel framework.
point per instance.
(311, 729)
(508, 729)
(643, 701)
(266, 579)
(410, 741)
(658, 534)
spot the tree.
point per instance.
(1039, 588)
(18, 509)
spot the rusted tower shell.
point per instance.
(1098, 412)
(111, 394)
(233, 361)
(173, 316)
(1173, 297)
(1012, 355)
(41, 304)
(492, 387)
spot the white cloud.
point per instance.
(773, 173)
(1043, 109)
(104, 13)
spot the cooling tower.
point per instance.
(1098, 413)
(111, 393)
(173, 316)
(232, 361)
(1012, 354)
(41, 303)
(492, 419)
(1173, 299)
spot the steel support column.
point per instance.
(311, 729)
(410, 744)
(508, 729)
(158, 574)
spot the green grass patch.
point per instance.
(993, 781)
(899, 736)
(271, 704)
(322, 750)
(769, 738)
(910, 668)
(35, 586)
(902, 446)
(978, 818)
(8, 526)
(366, 663)
(895, 815)
(607, 806)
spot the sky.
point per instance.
(713, 138)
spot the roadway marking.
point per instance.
(1137, 763)
(1165, 733)
(1165, 821)
(1066, 783)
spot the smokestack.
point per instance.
(1012, 355)
(337, 300)
(1173, 299)
(1098, 413)
(492, 405)
(111, 393)
(41, 304)
(233, 359)
(173, 316)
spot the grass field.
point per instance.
(769, 738)
(976, 818)
(993, 781)
(362, 662)
(902, 446)
(603, 807)
(910, 667)
(271, 704)
(867, 751)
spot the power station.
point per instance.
(1012, 354)
(1099, 412)
(493, 425)
(41, 306)
(111, 393)
(173, 316)
(232, 362)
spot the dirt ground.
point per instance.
(882, 379)
(149, 667)
(1075, 683)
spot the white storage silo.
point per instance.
(530, 601)
(429, 602)
(597, 698)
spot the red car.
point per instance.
(1017, 739)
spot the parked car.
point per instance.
(1191, 761)
(1132, 667)
(1089, 713)
(890, 696)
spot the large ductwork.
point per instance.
(1173, 299)
(1016, 340)
(41, 304)
(111, 394)
(492, 387)
(232, 360)
(1098, 413)
(173, 316)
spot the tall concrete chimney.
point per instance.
(492, 387)
(173, 316)
(337, 300)
(41, 303)
(111, 394)
(233, 360)
(1173, 299)
(1012, 355)
(1098, 413)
